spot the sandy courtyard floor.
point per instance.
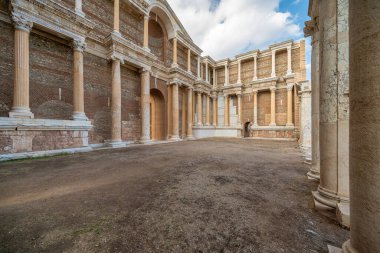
(216, 195)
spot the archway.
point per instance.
(157, 118)
(247, 129)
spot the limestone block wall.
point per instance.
(281, 107)
(247, 71)
(247, 109)
(264, 67)
(233, 74)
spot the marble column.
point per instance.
(116, 16)
(226, 75)
(215, 110)
(315, 160)
(333, 190)
(116, 104)
(170, 112)
(20, 107)
(255, 68)
(175, 108)
(145, 106)
(199, 110)
(226, 111)
(183, 112)
(290, 71)
(207, 110)
(146, 33)
(190, 113)
(273, 63)
(306, 120)
(239, 72)
(272, 106)
(240, 112)
(364, 144)
(189, 60)
(289, 121)
(78, 89)
(255, 123)
(175, 56)
(78, 8)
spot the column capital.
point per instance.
(255, 91)
(21, 23)
(79, 45)
(272, 89)
(290, 86)
(146, 17)
(117, 57)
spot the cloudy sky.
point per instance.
(224, 28)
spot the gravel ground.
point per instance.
(214, 195)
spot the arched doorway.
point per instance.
(157, 115)
(247, 129)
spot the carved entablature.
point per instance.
(21, 23)
(52, 17)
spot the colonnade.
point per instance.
(201, 96)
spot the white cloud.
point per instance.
(235, 25)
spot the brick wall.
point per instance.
(264, 67)
(247, 71)
(6, 67)
(247, 108)
(182, 56)
(100, 12)
(233, 71)
(131, 24)
(263, 108)
(156, 40)
(51, 78)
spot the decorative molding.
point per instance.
(21, 23)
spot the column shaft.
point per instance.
(183, 114)
(175, 62)
(273, 63)
(239, 71)
(255, 68)
(273, 106)
(255, 108)
(175, 109)
(145, 106)
(289, 49)
(116, 102)
(78, 7)
(146, 32)
(199, 67)
(199, 110)
(189, 113)
(20, 108)
(215, 111)
(189, 60)
(290, 105)
(214, 77)
(207, 72)
(116, 16)
(364, 127)
(226, 111)
(207, 110)
(226, 75)
(240, 113)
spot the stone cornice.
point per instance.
(53, 17)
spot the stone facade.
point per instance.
(115, 72)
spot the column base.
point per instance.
(313, 174)
(348, 248)
(144, 141)
(272, 124)
(174, 138)
(21, 112)
(175, 65)
(289, 73)
(147, 49)
(116, 144)
(255, 78)
(325, 198)
(289, 124)
(333, 249)
(190, 138)
(343, 214)
(80, 13)
(80, 116)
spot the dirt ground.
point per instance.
(216, 195)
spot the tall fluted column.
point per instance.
(199, 110)
(146, 33)
(239, 72)
(255, 68)
(190, 113)
(20, 108)
(189, 60)
(364, 143)
(240, 109)
(145, 106)
(255, 108)
(226, 111)
(116, 16)
(290, 71)
(175, 108)
(207, 110)
(273, 63)
(78, 89)
(116, 103)
(289, 122)
(215, 110)
(183, 112)
(273, 106)
(175, 56)
(315, 160)
(78, 8)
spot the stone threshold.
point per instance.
(69, 151)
